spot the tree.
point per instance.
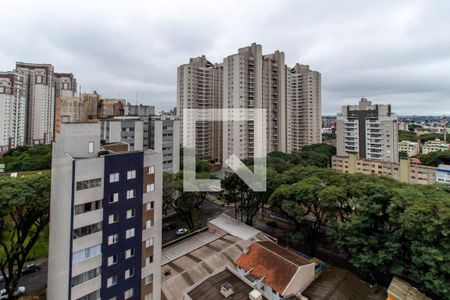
(28, 158)
(407, 135)
(172, 183)
(403, 155)
(24, 213)
(435, 158)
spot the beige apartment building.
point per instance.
(245, 80)
(411, 148)
(403, 171)
(304, 107)
(434, 146)
(369, 131)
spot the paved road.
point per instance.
(208, 211)
(34, 281)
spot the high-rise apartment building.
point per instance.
(369, 131)
(304, 107)
(164, 137)
(39, 82)
(195, 90)
(65, 85)
(161, 133)
(250, 80)
(125, 129)
(105, 230)
(12, 110)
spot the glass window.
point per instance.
(86, 253)
(131, 174)
(129, 253)
(112, 239)
(131, 194)
(131, 213)
(151, 170)
(88, 184)
(113, 197)
(128, 293)
(86, 276)
(111, 281)
(113, 177)
(91, 147)
(129, 233)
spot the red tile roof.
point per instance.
(275, 264)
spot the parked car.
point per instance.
(20, 291)
(30, 268)
(182, 231)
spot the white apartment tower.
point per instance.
(106, 218)
(304, 107)
(195, 90)
(39, 82)
(250, 80)
(12, 110)
(369, 131)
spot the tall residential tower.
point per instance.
(106, 208)
(369, 131)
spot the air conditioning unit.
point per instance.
(226, 289)
(255, 295)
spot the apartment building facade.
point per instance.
(404, 171)
(12, 110)
(164, 137)
(250, 80)
(434, 146)
(369, 131)
(304, 113)
(105, 230)
(443, 174)
(126, 129)
(411, 148)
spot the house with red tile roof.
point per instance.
(277, 272)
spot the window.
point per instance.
(131, 213)
(112, 239)
(129, 233)
(149, 242)
(91, 147)
(131, 174)
(87, 207)
(129, 273)
(131, 194)
(149, 224)
(86, 276)
(113, 177)
(88, 184)
(150, 187)
(111, 281)
(86, 230)
(113, 197)
(148, 279)
(128, 293)
(150, 205)
(113, 218)
(92, 296)
(86, 253)
(112, 260)
(149, 260)
(129, 253)
(151, 170)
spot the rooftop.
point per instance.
(210, 287)
(275, 264)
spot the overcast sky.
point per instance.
(395, 52)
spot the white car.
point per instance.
(181, 231)
(20, 291)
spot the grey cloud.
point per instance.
(394, 52)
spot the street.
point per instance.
(207, 211)
(35, 281)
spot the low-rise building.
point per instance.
(411, 148)
(443, 174)
(403, 171)
(434, 146)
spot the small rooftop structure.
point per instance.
(224, 283)
(233, 227)
(284, 271)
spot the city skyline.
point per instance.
(388, 52)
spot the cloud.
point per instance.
(394, 52)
